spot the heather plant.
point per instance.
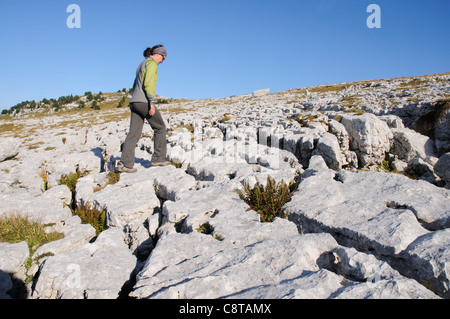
(268, 200)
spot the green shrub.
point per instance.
(121, 102)
(163, 101)
(70, 180)
(96, 218)
(268, 201)
(177, 165)
(205, 228)
(95, 106)
(113, 177)
(385, 167)
(88, 215)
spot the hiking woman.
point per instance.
(142, 106)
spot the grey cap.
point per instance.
(160, 50)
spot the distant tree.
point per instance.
(95, 106)
(56, 106)
(81, 105)
(89, 96)
(121, 102)
(99, 97)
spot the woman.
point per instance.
(142, 105)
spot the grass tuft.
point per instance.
(16, 228)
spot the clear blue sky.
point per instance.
(216, 48)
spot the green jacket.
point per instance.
(144, 87)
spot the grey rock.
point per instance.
(386, 289)
(442, 168)
(260, 92)
(43, 209)
(93, 271)
(173, 184)
(385, 220)
(429, 260)
(426, 201)
(9, 147)
(75, 233)
(378, 235)
(328, 148)
(12, 268)
(59, 192)
(369, 136)
(357, 266)
(398, 165)
(115, 200)
(339, 130)
(13, 257)
(351, 159)
(67, 163)
(217, 270)
(408, 144)
(423, 170)
(393, 121)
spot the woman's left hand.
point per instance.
(152, 109)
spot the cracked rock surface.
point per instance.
(370, 217)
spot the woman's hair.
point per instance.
(149, 51)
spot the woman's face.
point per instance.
(158, 58)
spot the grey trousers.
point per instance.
(139, 113)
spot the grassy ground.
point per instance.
(72, 117)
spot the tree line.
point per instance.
(56, 104)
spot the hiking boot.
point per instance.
(122, 169)
(165, 163)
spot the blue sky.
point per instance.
(216, 48)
